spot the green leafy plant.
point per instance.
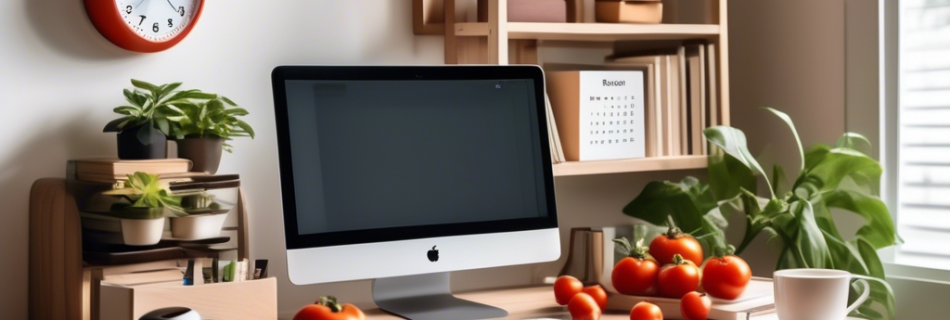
(150, 105)
(838, 177)
(211, 119)
(144, 191)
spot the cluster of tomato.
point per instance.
(723, 276)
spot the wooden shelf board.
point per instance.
(609, 31)
(576, 168)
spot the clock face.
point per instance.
(158, 20)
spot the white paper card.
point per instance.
(611, 115)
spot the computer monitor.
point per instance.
(402, 174)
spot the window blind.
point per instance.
(924, 145)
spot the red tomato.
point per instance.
(634, 276)
(726, 277)
(674, 241)
(565, 287)
(597, 292)
(583, 307)
(328, 309)
(695, 306)
(645, 311)
(678, 278)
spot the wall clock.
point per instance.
(144, 25)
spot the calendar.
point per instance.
(611, 115)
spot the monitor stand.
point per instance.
(427, 297)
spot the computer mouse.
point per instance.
(173, 313)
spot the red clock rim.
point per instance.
(104, 16)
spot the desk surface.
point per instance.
(521, 303)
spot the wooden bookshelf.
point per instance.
(492, 41)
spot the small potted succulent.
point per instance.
(203, 129)
(143, 215)
(205, 217)
(144, 126)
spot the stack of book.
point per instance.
(686, 94)
(111, 171)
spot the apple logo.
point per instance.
(433, 254)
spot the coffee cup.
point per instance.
(815, 294)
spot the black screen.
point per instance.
(382, 154)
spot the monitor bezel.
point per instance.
(294, 240)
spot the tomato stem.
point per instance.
(330, 302)
(673, 232)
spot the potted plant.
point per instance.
(205, 217)
(143, 215)
(839, 177)
(144, 126)
(203, 129)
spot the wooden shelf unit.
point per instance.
(575, 168)
(492, 41)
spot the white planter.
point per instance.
(142, 232)
(198, 226)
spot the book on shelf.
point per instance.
(557, 154)
(115, 170)
(688, 90)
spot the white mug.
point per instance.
(815, 294)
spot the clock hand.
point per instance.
(140, 3)
(173, 6)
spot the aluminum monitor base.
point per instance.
(428, 297)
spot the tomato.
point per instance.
(695, 306)
(328, 309)
(565, 287)
(678, 278)
(635, 274)
(597, 292)
(645, 311)
(726, 277)
(583, 307)
(674, 241)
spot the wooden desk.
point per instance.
(521, 303)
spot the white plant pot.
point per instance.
(142, 232)
(198, 226)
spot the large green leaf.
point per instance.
(733, 142)
(831, 167)
(791, 125)
(728, 175)
(808, 248)
(879, 229)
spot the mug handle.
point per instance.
(862, 298)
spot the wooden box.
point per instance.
(246, 300)
(647, 12)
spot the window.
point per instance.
(923, 161)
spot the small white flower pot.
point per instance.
(198, 227)
(146, 232)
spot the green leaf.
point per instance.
(733, 142)
(164, 90)
(879, 229)
(145, 85)
(728, 175)
(808, 247)
(778, 179)
(835, 165)
(116, 125)
(228, 101)
(791, 126)
(852, 140)
(246, 127)
(236, 112)
(128, 110)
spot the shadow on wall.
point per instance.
(40, 155)
(65, 28)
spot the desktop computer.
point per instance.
(403, 174)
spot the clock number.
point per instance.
(143, 20)
(128, 9)
(170, 23)
(181, 10)
(155, 27)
